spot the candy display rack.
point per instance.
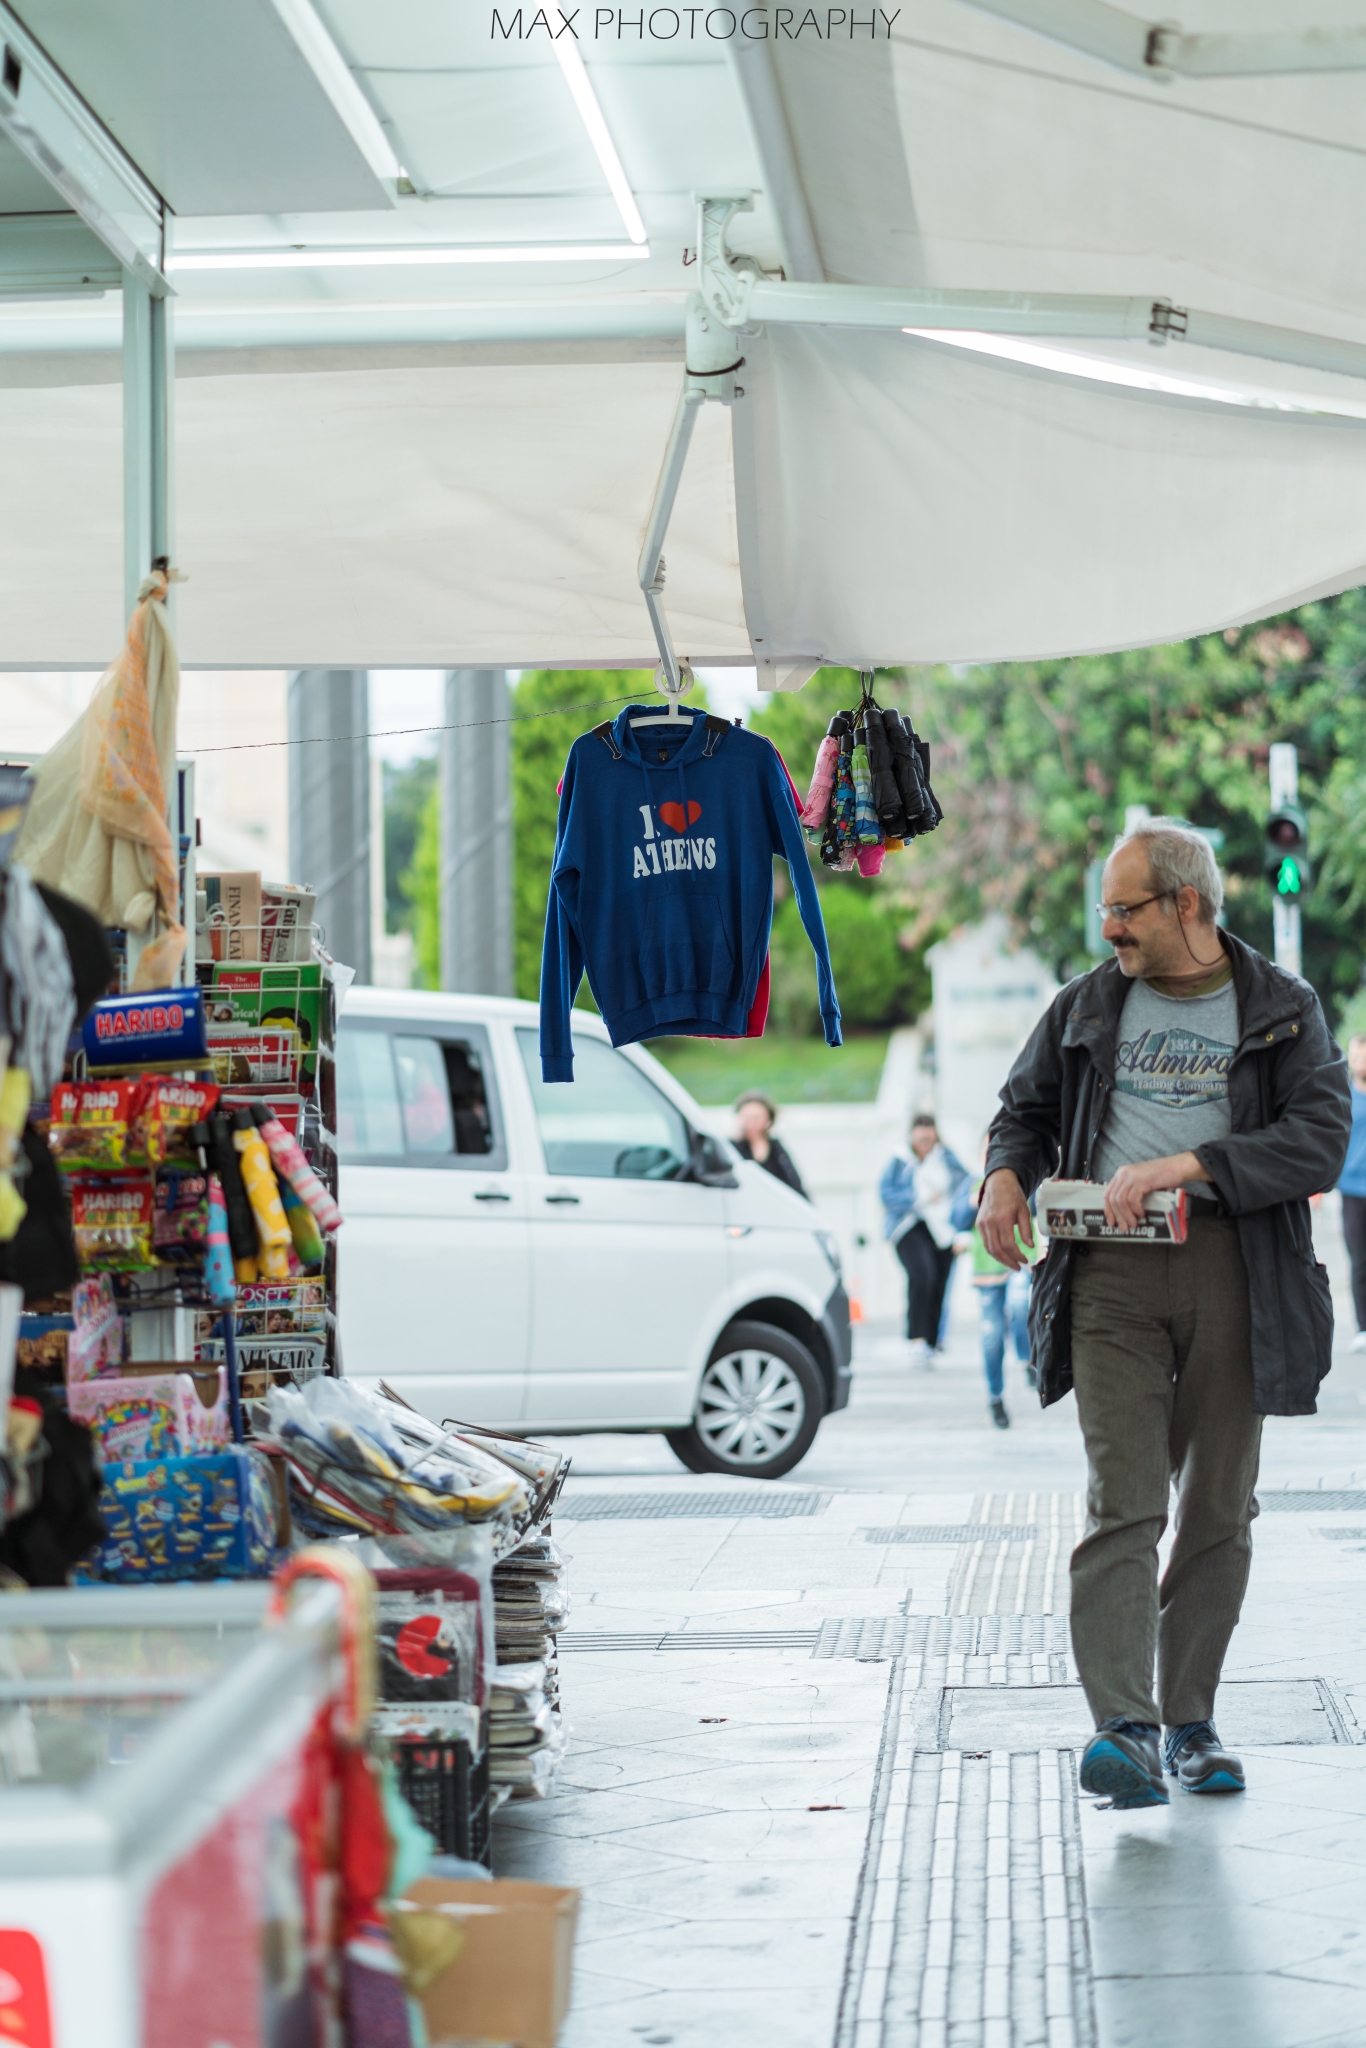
(196, 1138)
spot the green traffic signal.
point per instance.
(1286, 860)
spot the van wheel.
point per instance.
(758, 1407)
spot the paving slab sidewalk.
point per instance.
(780, 1839)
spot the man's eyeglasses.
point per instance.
(1122, 912)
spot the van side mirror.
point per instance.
(709, 1165)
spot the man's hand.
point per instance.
(1125, 1192)
(1003, 1210)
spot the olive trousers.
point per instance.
(1163, 1374)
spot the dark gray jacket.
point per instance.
(1291, 1113)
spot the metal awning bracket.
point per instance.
(725, 284)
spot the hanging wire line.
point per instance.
(333, 739)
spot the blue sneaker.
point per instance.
(1198, 1763)
(1123, 1761)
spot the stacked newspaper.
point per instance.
(526, 1736)
(530, 1604)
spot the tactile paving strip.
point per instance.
(970, 1929)
(1008, 1575)
(1312, 1503)
(680, 1639)
(981, 1646)
(953, 1532)
(993, 1636)
(669, 1507)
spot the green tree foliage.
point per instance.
(878, 979)
(1035, 763)
(550, 708)
(421, 888)
(407, 793)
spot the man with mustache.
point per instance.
(1186, 1061)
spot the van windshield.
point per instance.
(609, 1122)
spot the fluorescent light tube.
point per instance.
(359, 259)
(1043, 357)
(586, 100)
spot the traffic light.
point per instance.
(1285, 858)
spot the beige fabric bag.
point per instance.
(96, 827)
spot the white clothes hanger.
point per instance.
(675, 716)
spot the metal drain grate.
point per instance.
(668, 1507)
(678, 1639)
(953, 1532)
(1324, 1503)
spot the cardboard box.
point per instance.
(512, 1979)
(166, 1413)
(214, 1516)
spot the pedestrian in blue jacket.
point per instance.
(919, 1189)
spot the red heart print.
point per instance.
(672, 814)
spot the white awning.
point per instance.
(389, 455)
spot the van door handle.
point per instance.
(492, 1197)
(563, 1198)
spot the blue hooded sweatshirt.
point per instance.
(662, 885)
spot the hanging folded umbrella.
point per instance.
(96, 827)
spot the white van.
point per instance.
(575, 1257)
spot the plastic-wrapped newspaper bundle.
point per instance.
(530, 1605)
(366, 1464)
(362, 1465)
(526, 1735)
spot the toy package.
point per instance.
(1076, 1209)
(155, 1415)
(212, 1516)
(111, 1221)
(94, 1348)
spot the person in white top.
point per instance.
(918, 1191)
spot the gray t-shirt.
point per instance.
(1171, 1078)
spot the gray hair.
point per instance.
(1179, 858)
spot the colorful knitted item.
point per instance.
(816, 809)
(865, 817)
(841, 832)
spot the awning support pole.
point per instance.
(148, 406)
(712, 356)
(650, 568)
(739, 295)
(1162, 50)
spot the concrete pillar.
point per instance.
(329, 805)
(476, 835)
